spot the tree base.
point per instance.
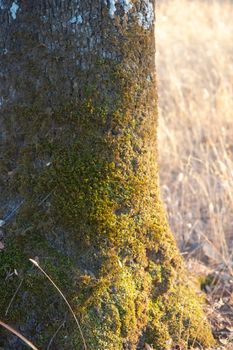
(119, 306)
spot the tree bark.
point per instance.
(79, 181)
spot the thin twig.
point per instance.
(55, 334)
(45, 199)
(12, 213)
(64, 298)
(12, 299)
(12, 330)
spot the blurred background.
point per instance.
(195, 87)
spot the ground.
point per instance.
(195, 67)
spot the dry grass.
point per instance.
(195, 76)
(19, 335)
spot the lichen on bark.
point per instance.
(80, 120)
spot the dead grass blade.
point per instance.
(64, 298)
(13, 298)
(55, 334)
(14, 331)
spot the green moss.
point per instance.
(49, 310)
(178, 315)
(113, 305)
(206, 281)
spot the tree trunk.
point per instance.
(79, 181)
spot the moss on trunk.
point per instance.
(86, 168)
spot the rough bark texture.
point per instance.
(79, 181)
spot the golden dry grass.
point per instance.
(195, 85)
